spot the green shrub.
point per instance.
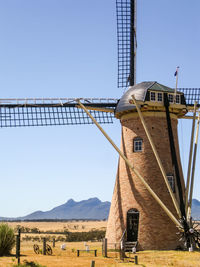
(34, 230)
(85, 236)
(7, 239)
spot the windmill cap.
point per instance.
(139, 91)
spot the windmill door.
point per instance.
(132, 225)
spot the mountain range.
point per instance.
(93, 208)
(196, 209)
(90, 209)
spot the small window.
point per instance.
(178, 99)
(171, 182)
(160, 97)
(171, 98)
(153, 96)
(137, 145)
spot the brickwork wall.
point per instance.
(156, 230)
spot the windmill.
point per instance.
(149, 195)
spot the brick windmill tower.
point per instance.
(134, 211)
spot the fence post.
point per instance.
(54, 242)
(106, 247)
(121, 253)
(92, 263)
(44, 246)
(18, 246)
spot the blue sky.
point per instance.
(68, 48)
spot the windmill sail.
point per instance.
(60, 111)
(191, 95)
(126, 35)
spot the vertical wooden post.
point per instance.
(44, 246)
(121, 254)
(136, 260)
(92, 263)
(106, 247)
(18, 246)
(115, 250)
(54, 242)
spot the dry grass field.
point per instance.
(72, 226)
(68, 257)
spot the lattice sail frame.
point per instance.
(126, 35)
(191, 95)
(54, 111)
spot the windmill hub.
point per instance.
(191, 230)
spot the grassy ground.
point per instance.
(68, 257)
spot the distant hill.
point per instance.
(90, 209)
(196, 209)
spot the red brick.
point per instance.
(156, 229)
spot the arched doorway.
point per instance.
(132, 225)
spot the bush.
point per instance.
(34, 230)
(85, 236)
(7, 239)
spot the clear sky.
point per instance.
(68, 48)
